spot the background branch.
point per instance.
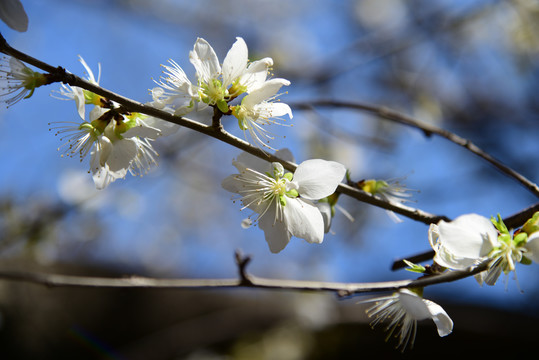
(244, 281)
(428, 130)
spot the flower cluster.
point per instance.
(217, 85)
(282, 200)
(471, 239)
(118, 141)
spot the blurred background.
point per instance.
(471, 67)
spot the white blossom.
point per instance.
(471, 239)
(402, 310)
(18, 81)
(283, 201)
(258, 109)
(80, 95)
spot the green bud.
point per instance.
(292, 193)
(532, 225)
(288, 176)
(520, 239)
(526, 261)
(417, 290)
(282, 200)
(241, 124)
(499, 224)
(223, 106)
(506, 238)
(414, 267)
(278, 170)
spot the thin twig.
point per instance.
(428, 130)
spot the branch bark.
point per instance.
(428, 130)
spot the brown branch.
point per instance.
(428, 130)
(133, 282)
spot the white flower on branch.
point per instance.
(258, 109)
(18, 81)
(471, 239)
(118, 141)
(284, 201)
(218, 85)
(402, 310)
(80, 95)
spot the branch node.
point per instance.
(242, 262)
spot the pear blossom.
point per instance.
(403, 309)
(18, 81)
(175, 90)
(117, 145)
(13, 14)
(218, 85)
(215, 85)
(118, 142)
(283, 201)
(257, 110)
(471, 239)
(82, 96)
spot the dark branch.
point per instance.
(428, 130)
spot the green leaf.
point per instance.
(414, 267)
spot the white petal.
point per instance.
(443, 322)
(256, 74)
(235, 62)
(80, 102)
(13, 14)
(204, 60)
(468, 236)
(253, 162)
(143, 132)
(414, 305)
(318, 178)
(232, 184)
(264, 92)
(532, 247)
(100, 174)
(165, 127)
(443, 256)
(123, 152)
(279, 109)
(325, 210)
(304, 220)
(103, 150)
(285, 154)
(276, 232)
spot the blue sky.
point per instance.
(177, 221)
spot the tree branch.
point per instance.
(244, 281)
(428, 130)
